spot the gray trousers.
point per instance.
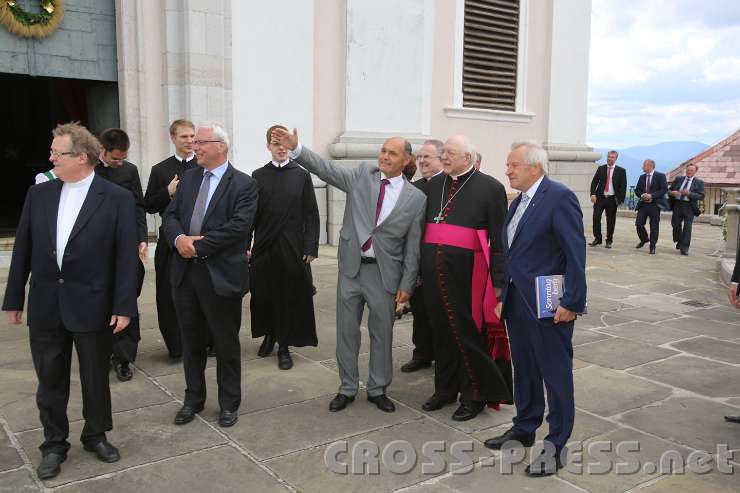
(352, 296)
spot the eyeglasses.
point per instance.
(422, 156)
(199, 142)
(57, 155)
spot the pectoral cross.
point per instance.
(439, 218)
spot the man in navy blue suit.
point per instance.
(651, 188)
(542, 236)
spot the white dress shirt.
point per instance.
(392, 192)
(218, 173)
(610, 178)
(70, 203)
(686, 185)
(279, 165)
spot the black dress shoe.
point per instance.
(339, 402)
(186, 414)
(652, 250)
(285, 362)
(268, 344)
(123, 372)
(684, 251)
(50, 465)
(468, 410)
(437, 402)
(733, 418)
(640, 244)
(415, 365)
(544, 465)
(227, 418)
(678, 246)
(104, 450)
(608, 244)
(496, 443)
(594, 243)
(383, 402)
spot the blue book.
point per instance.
(549, 290)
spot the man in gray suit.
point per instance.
(378, 257)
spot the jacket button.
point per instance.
(61, 281)
(53, 252)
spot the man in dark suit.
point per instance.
(77, 240)
(608, 189)
(112, 165)
(208, 223)
(163, 181)
(542, 236)
(734, 301)
(430, 164)
(651, 189)
(686, 192)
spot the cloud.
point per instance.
(663, 70)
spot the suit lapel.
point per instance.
(223, 183)
(191, 198)
(509, 215)
(94, 198)
(373, 197)
(52, 209)
(533, 204)
(404, 196)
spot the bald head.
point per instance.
(394, 156)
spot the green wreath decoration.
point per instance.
(30, 25)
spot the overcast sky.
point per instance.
(663, 70)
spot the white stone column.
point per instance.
(388, 84)
(197, 61)
(273, 72)
(571, 160)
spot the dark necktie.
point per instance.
(647, 187)
(383, 183)
(199, 210)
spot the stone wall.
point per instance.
(83, 47)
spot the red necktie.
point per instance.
(383, 183)
(608, 178)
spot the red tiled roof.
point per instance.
(718, 165)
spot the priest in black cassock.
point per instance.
(430, 165)
(163, 181)
(112, 166)
(462, 267)
(286, 241)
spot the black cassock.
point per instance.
(463, 361)
(285, 229)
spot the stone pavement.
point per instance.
(650, 366)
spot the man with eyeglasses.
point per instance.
(428, 160)
(76, 239)
(112, 165)
(208, 223)
(462, 270)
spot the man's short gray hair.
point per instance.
(219, 132)
(535, 155)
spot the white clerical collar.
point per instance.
(187, 158)
(106, 164)
(83, 183)
(435, 174)
(280, 164)
(455, 177)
